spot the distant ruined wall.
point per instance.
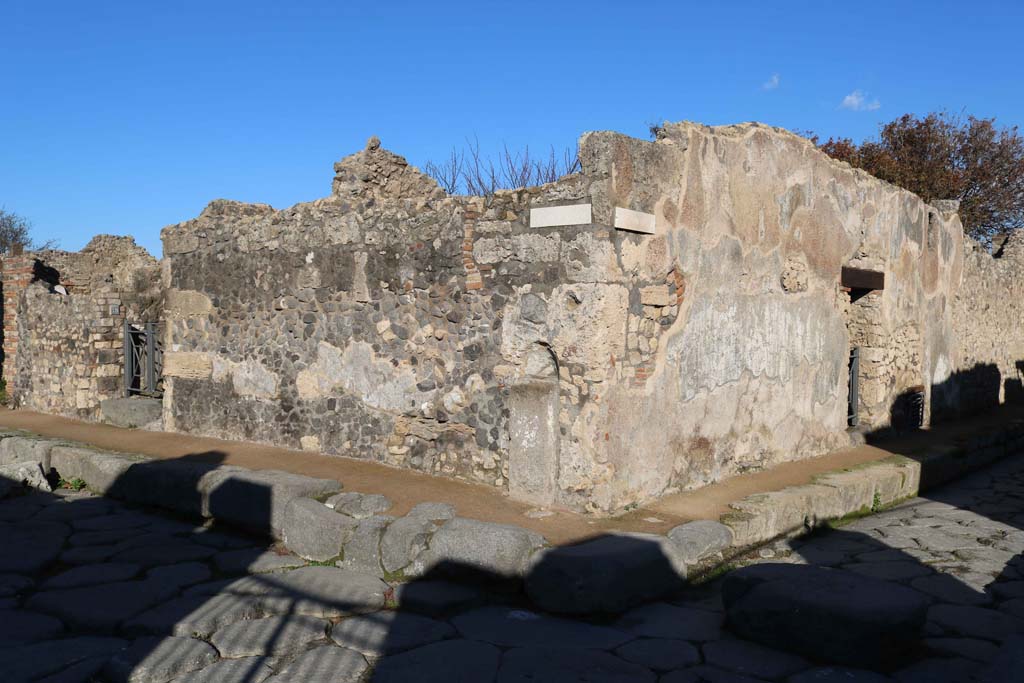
(68, 310)
(671, 315)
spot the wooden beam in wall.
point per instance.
(859, 278)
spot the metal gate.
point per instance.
(853, 406)
(143, 360)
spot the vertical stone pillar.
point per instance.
(17, 274)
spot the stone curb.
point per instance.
(607, 574)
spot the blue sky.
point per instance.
(124, 117)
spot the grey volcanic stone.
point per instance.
(137, 411)
(100, 608)
(258, 500)
(181, 575)
(435, 597)
(608, 574)
(324, 664)
(971, 648)
(12, 584)
(661, 620)
(116, 520)
(362, 551)
(949, 589)
(541, 665)
(172, 552)
(194, 615)
(31, 662)
(155, 660)
(30, 546)
(835, 674)
(941, 671)
(244, 670)
(254, 561)
(25, 473)
(19, 626)
(700, 539)
(324, 592)
(752, 659)
(799, 608)
(507, 627)
(403, 541)
(315, 531)
(83, 671)
(975, 622)
(92, 574)
(890, 571)
(21, 448)
(270, 636)
(388, 632)
(359, 505)
(100, 470)
(468, 547)
(433, 511)
(660, 654)
(450, 661)
(1007, 665)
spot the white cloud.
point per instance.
(772, 83)
(858, 101)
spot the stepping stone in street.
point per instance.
(450, 661)
(194, 615)
(92, 574)
(508, 627)
(155, 660)
(890, 571)
(20, 626)
(538, 665)
(751, 659)
(244, 670)
(800, 609)
(660, 654)
(324, 664)
(661, 620)
(975, 622)
(31, 662)
(272, 636)
(946, 588)
(100, 608)
(385, 633)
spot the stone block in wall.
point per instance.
(188, 365)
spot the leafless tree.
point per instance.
(16, 234)
(471, 172)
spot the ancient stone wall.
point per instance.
(987, 366)
(669, 316)
(68, 310)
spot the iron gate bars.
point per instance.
(853, 406)
(143, 360)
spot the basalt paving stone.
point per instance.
(1013, 607)
(104, 537)
(255, 561)
(30, 662)
(660, 654)
(181, 575)
(223, 540)
(383, 633)
(323, 592)
(751, 659)
(946, 588)
(88, 554)
(244, 670)
(70, 511)
(324, 664)
(435, 598)
(836, 674)
(545, 665)
(975, 622)
(91, 574)
(661, 620)
(270, 636)
(30, 546)
(84, 671)
(890, 571)
(969, 648)
(118, 520)
(13, 584)
(244, 585)
(194, 615)
(707, 674)
(449, 661)
(156, 660)
(938, 671)
(507, 627)
(18, 509)
(99, 609)
(170, 553)
(20, 626)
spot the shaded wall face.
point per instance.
(610, 365)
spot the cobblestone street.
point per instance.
(93, 590)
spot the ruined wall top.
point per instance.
(376, 171)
